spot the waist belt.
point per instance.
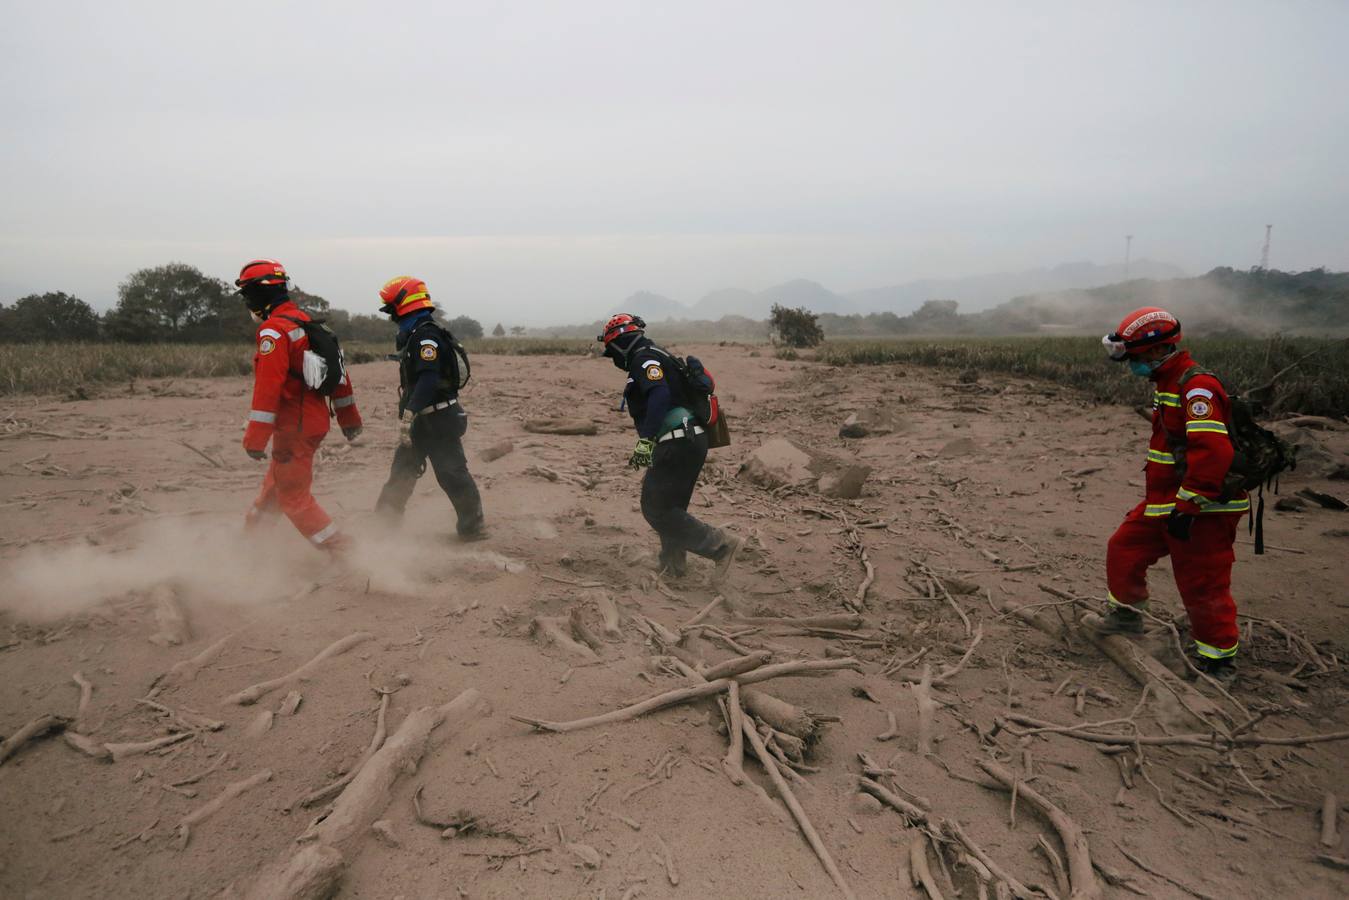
(435, 407)
(679, 433)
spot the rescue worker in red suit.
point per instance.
(285, 411)
(1187, 512)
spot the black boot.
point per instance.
(1223, 671)
(1122, 620)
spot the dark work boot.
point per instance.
(724, 556)
(674, 563)
(1122, 620)
(1223, 671)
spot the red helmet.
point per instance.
(261, 272)
(621, 324)
(404, 294)
(1141, 329)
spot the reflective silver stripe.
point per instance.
(432, 343)
(295, 334)
(257, 415)
(678, 433)
(348, 400)
(323, 534)
(649, 363)
(270, 332)
(433, 408)
(1198, 392)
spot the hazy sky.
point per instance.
(540, 161)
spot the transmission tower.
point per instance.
(1264, 251)
(1128, 246)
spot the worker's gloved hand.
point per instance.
(351, 433)
(641, 454)
(256, 454)
(405, 432)
(1178, 525)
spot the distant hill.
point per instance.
(652, 307)
(981, 292)
(974, 294)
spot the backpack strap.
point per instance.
(1192, 371)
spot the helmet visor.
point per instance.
(1115, 347)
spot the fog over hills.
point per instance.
(973, 293)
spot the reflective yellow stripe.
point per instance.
(1205, 425)
(1163, 399)
(1159, 509)
(1158, 456)
(1212, 652)
(1213, 506)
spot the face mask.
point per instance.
(256, 318)
(1142, 368)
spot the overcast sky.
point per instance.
(537, 162)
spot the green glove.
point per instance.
(641, 454)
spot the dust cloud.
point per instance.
(217, 562)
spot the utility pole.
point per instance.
(1128, 246)
(1264, 252)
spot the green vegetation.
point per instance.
(1259, 301)
(51, 368)
(1319, 386)
(795, 327)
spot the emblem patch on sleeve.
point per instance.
(1199, 408)
(267, 345)
(428, 352)
(654, 373)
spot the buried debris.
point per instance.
(39, 727)
(253, 693)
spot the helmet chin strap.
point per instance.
(256, 317)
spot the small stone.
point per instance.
(496, 451)
(383, 830)
(588, 855)
(867, 805)
(290, 704)
(1290, 504)
(403, 678)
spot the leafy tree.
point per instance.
(175, 302)
(795, 327)
(311, 302)
(54, 316)
(498, 331)
(517, 330)
(464, 328)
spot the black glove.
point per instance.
(351, 433)
(1178, 525)
(256, 454)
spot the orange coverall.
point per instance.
(294, 417)
(1188, 456)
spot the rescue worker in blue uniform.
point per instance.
(671, 446)
(430, 379)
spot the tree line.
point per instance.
(177, 303)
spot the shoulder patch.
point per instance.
(1198, 392)
(1199, 408)
(653, 371)
(270, 332)
(650, 362)
(266, 345)
(428, 351)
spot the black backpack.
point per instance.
(323, 343)
(695, 387)
(1259, 456)
(455, 370)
